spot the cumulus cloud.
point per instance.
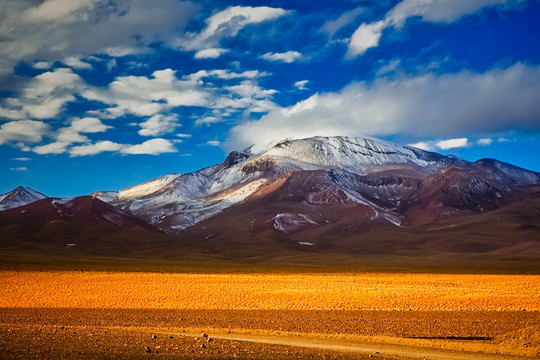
(286, 57)
(150, 147)
(224, 74)
(223, 24)
(44, 96)
(56, 29)
(76, 63)
(450, 105)
(41, 65)
(151, 97)
(54, 10)
(484, 141)
(441, 11)
(159, 125)
(52, 148)
(424, 145)
(452, 143)
(212, 53)
(88, 125)
(148, 96)
(27, 131)
(367, 35)
(67, 136)
(301, 85)
(93, 149)
(432, 145)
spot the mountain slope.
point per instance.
(82, 224)
(18, 197)
(392, 183)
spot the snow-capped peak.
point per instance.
(348, 153)
(18, 197)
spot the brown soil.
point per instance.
(124, 334)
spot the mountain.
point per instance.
(18, 197)
(85, 223)
(301, 185)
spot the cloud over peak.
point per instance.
(420, 106)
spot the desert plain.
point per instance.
(193, 310)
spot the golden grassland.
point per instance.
(276, 291)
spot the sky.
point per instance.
(107, 94)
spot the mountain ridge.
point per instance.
(183, 200)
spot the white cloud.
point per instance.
(333, 26)
(367, 36)
(226, 23)
(184, 136)
(424, 145)
(449, 105)
(301, 85)
(484, 141)
(44, 96)
(88, 125)
(432, 145)
(27, 131)
(441, 11)
(52, 148)
(20, 168)
(57, 29)
(93, 149)
(67, 136)
(224, 74)
(212, 53)
(213, 143)
(54, 10)
(76, 63)
(159, 125)
(389, 68)
(12, 114)
(452, 143)
(150, 147)
(143, 96)
(286, 57)
(207, 120)
(21, 159)
(41, 65)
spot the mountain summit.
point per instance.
(302, 180)
(18, 197)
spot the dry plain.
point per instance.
(267, 313)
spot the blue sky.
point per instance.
(103, 95)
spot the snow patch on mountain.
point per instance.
(290, 222)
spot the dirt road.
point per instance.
(364, 347)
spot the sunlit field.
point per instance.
(368, 291)
(289, 314)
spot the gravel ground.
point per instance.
(126, 333)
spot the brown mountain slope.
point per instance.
(81, 225)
